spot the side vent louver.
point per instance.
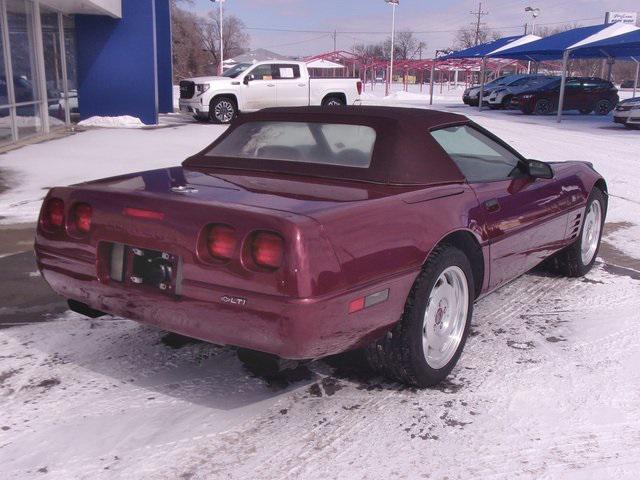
(575, 225)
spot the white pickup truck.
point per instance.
(247, 87)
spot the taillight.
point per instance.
(53, 214)
(221, 242)
(82, 217)
(359, 87)
(267, 250)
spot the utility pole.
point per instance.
(479, 14)
(335, 37)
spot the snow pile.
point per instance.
(123, 121)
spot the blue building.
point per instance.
(65, 60)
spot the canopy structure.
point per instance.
(482, 51)
(322, 63)
(596, 41)
(625, 46)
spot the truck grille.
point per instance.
(187, 89)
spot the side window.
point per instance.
(286, 71)
(478, 157)
(262, 72)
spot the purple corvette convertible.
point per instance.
(306, 232)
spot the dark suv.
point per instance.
(586, 94)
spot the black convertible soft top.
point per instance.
(404, 153)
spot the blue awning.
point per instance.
(481, 50)
(554, 46)
(625, 46)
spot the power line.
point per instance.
(298, 42)
(417, 32)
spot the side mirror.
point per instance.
(247, 79)
(538, 169)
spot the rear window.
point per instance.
(319, 143)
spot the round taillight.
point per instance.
(267, 250)
(82, 217)
(221, 242)
(53, 214)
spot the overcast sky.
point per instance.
(437, 19)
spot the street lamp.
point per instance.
(394, 4)
(220, 68)
(534, 13)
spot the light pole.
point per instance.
(394, 4)
(220, 68)
(534, 13)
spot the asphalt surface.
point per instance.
(24, 297)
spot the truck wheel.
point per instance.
(603, 107)
(578, 258)
(333, 101)
(543, 107)
(222, 110)
(426, 343)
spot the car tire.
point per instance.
(603, 107)
(543, 107)
(578, 258)
(222, 110)
(333, 101)
(400, 354)
(585, 111)
(506, 101)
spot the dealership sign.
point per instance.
(621, 17)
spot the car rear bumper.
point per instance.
(304, 328)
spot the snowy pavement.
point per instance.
(547, 387)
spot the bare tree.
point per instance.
(196, 40)
(236, 39)
(406, 46)
(466, 37)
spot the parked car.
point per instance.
(500, 97)
(586, 94)
(249, 87)
(627, 84)
(306, 232)
(627, 112)
(471, 94)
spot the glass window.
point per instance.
(320, 143)
(5, 126)
(72, 72)
(287, 71)
(22, 43)
(53, 66)
(479, 158)
(261, 72)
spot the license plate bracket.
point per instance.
(146, 268)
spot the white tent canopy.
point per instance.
(322, 63)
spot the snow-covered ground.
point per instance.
(547, 388)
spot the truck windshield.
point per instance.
(302, 142)
(236, 70)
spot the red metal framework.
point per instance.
(368, 68)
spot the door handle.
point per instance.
(302, 84)
(492, 205)
(271, 85)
